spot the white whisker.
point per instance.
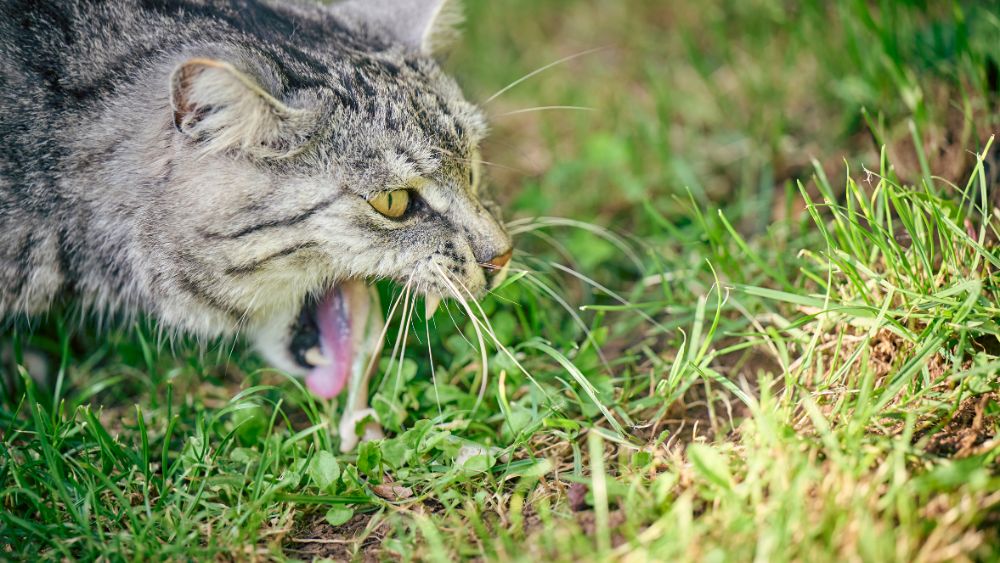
(385, 331)
(607, 291)
(541, 70)
(611, 237)
(535, 280)
(403, 335)
(513, 223)
(500, 346)
(454, 322)
(430, 358)
(507, 300)
(555, 244)
(484, 359)
(542, 108)
(487, 163)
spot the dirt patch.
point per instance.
(707, 410)
(885, 349)
(576, 496)
(968, 430)
(360, 539)
(886, 353)
(588, 523)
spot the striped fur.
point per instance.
(207, 162)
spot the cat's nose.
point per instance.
(497, 264)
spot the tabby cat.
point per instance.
(241, 166)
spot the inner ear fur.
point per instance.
(224, 109)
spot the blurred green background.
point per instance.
(726, 101)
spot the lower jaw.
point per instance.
(350, 338)
(331, 340)
(340, 356)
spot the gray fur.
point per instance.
(137, 178)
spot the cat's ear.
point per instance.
(425, 26)
(225, 109)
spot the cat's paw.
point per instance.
(348, 424)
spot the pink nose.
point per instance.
(498, 262)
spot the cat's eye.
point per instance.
(391, 204)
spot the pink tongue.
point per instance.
(335, 341)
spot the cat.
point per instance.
(242, 166)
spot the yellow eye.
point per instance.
(391, 204)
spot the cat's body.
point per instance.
(210, 163)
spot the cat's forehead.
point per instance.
(401, 117)
(398, 91)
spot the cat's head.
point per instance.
(311, 176)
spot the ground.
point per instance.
(753, 317)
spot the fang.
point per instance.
(315, 357)
(431, 303)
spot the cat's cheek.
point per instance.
(271, 339)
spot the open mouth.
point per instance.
(336, 336)
(334, 340)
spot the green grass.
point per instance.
(785, 347)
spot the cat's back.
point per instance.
(80, 82)
(59, 60)
(62, 60)
(75, 49)
(61, 45)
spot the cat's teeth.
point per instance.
(315, 357)
(431, 303)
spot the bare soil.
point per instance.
(313, 538)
